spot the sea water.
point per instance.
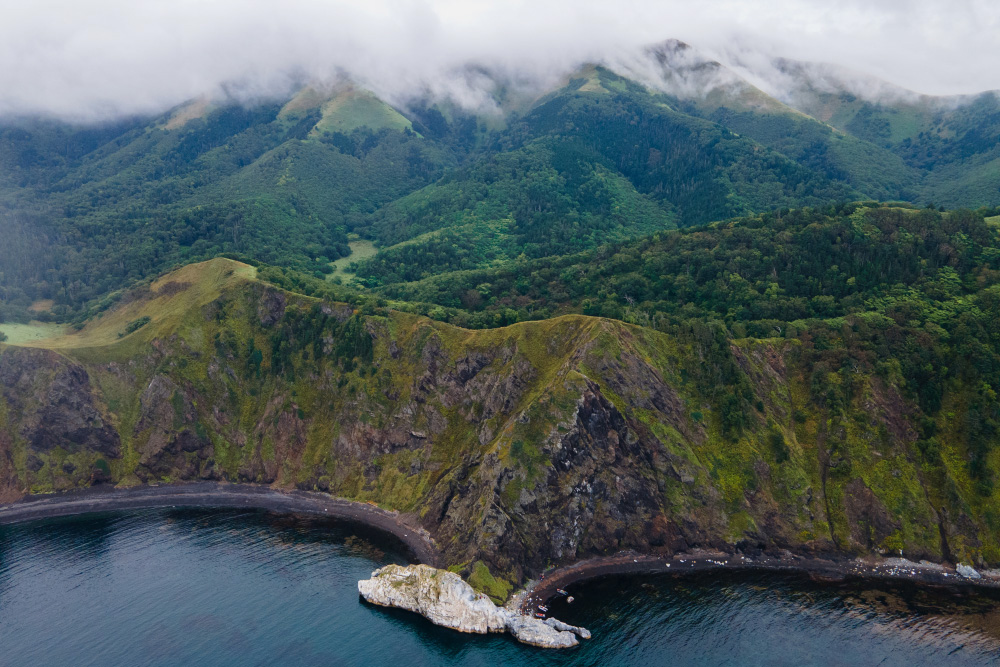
(230, 587)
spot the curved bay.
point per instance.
(229, 587)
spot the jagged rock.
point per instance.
(55, 402)
(444, 599)
(555, 623)
(271, 307)
(439, 595)
(968, 571)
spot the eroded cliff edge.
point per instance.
(516, 448)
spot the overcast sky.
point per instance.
(94, 58)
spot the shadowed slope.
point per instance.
(519, 447)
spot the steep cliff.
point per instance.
(535, 444)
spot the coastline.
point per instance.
(831, 569)
(220, 494)
(422, 548)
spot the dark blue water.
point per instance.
(226, 587)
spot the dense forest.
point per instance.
(903, 293)
(81, 221)
(87, 211)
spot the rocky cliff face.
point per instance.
(51, 409)
(516, 448)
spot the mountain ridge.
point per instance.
(600, 157)
(520, 447)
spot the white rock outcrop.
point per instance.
(446, 600)
(968, 571)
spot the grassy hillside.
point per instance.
(154, 312)
(949, 143)
(521, 446)
(353, 109)
(868, 167)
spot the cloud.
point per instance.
(99, 58)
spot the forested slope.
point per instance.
(529, 445)
(86, 211)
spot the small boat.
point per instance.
(561, 592)
(570, 599)
(542, 608)
(539, 615)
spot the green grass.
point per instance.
(354, 108)
(170, 300)
(21, 334)
(303, 101)
(360, 249)
(483, 581)
(490, 232)
(591, 81)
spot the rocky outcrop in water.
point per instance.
(444, 599)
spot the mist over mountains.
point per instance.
(107, 59)
(445, 145)
(494, 168)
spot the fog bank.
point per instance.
(105, 58)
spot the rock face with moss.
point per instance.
(444, 599)
(517, 448)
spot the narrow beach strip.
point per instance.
(832, 569)
(215, 494)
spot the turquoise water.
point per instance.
(228, 587)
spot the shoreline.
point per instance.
(832, 569)
(422, 548)
(220, 494)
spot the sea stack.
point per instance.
(445, 599)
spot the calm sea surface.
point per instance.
(227, 587)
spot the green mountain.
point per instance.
(670, 140)
(89, 211)
(888, 142)
(650, 308)
(768, 400)
(954, 142)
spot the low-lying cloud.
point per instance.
(102, 58)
